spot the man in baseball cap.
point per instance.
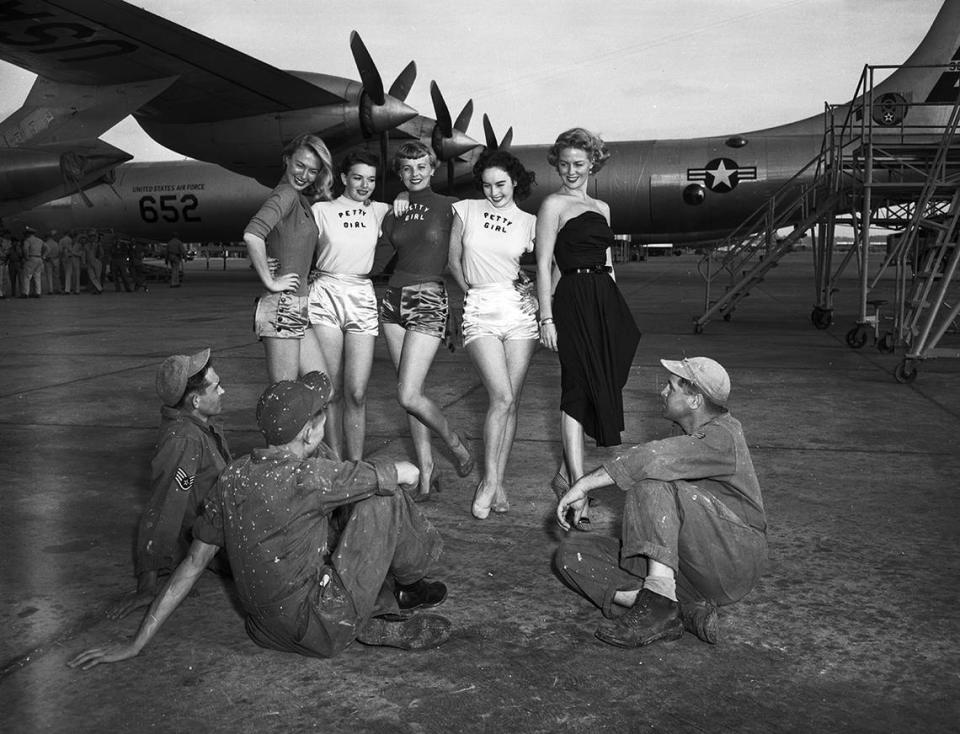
(302, 589)
(694, 529)
(706, 374)
(191, 452)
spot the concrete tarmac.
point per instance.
(854, 627)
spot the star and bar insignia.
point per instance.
(184, 481)
(721, 175)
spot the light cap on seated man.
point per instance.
(707, 374)
(173, 374)
(285, 407)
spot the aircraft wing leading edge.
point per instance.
(110, 42)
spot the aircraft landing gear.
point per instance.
(906, 372)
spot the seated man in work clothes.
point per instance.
(191, 452)
(694, 529)
(271, 510)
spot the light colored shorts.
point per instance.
(281, 316)
(345, 302)
(505, 311)
(419, 307)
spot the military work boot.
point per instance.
(651, 618)
(420, 595)
(701, 619)
(419, 632)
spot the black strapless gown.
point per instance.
(596, 334)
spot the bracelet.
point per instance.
(544, 322)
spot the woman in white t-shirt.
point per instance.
(343, 305)
(500, 333)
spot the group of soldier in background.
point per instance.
(33, 266)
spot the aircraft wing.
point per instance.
(110, 42)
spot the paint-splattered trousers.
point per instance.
(386, 540)
(715, 555)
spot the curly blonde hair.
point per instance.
(581, 139)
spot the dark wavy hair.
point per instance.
(319, 189)
(359, 156)
(511, 164)
(581, 139)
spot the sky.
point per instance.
(628, 69)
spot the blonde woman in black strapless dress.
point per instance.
(586, 321)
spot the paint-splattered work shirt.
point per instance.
(189, 457)
(717, 455)
(270, 510)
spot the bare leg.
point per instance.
(413, 354)
(311, 358)
(357, 363)
(330, 341)
(283, 358)
(571, 433)
(518, 353)
(489, 355)
(395, 336)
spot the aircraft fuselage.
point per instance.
(201, 202)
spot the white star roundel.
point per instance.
(721, 175)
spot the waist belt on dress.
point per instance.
(597, 269)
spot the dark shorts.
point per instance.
(281, 316)
(420, 307)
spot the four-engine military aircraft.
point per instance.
(99, 61)
(690, 190)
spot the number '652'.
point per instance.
(169, 208)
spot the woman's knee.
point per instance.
(356, 397)
(503, 401)
(409, 396)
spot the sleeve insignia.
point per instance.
(184, 481)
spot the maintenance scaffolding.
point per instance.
(874, 169)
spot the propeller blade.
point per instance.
(372, 83)
(463, 119)
(507, 139)
(488, 133)
(441, 111)
(404, 81)
(450, 176)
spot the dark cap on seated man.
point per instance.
(706, 374)
(174, 373)
(286, 406)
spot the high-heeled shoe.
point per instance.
(480, 511)
(434, 488)
(466, 466)
(500, 503)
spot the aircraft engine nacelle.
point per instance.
(251, 146)
(30, 175)
(25, 172)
